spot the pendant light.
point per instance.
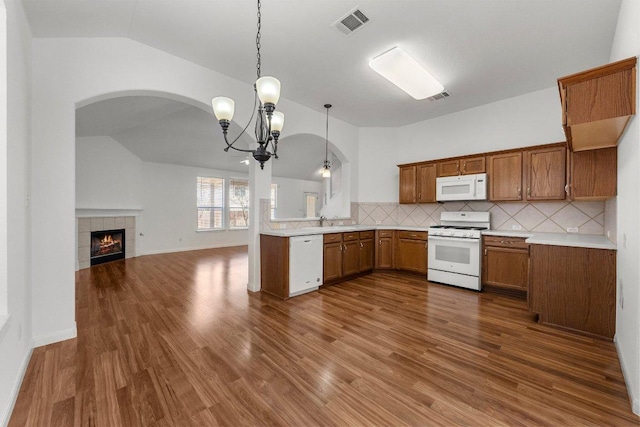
(269, 122)
(326, 169)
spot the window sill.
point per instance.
(4, 325)
(209, 230)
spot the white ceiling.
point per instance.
(481, 50)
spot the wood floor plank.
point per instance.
(176, 340)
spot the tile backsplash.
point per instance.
(549, 217)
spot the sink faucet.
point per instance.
(322, 220)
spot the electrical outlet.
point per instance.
(275, 226)
(572, 229)
(283, 225)
(341, 223)
(378, 222)
(621, 293)
(27, 200)
(516, 227)
(608, 234)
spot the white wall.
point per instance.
(108, 176)
(15, 340)
(626, 43)
(291, 202)
(169, 217)
(68, 73)
(530, 119)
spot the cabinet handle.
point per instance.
(361, 245)
(485, 252)
(380, 243)
(529, 192)
(566, 188)
(345, 247)
(519, 192)
(464, 167)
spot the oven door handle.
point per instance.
(455, 239)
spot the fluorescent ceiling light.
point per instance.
(402, 70)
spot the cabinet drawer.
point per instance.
(385, 233)
(506, 242)
(366, 234)
(346, 237)
(334, 237)
(413, 235)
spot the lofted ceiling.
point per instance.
(481, 50)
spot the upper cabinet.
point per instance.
(505, 176)
(418, 183)
(597, 104)
(545, 173)
(464, 166)
(592, 174)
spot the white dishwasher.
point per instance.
(305, 263)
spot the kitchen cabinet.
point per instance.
(593, 174)
(574, 288)
(505, 264)
(332, 257)
(418, 183)
(545, 173)
(274, 265)
(384, 249)
(505, 176)
(597, 104)
(464, 166)
(366, 251)
(407, 179)
(411, 254)
(350, 253)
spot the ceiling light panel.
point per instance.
(402, 70)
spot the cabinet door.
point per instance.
(427, 183)
(506, 268)
(594, 174)
(449, 168)
(473, 165)
(332, 261)
(384, 257)
(408, 193)
(505, 177)
(545, 173)
(350, 257)
(412, 255)
(366, 255)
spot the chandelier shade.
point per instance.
(277, 121)
(223, 107)
(268, 89)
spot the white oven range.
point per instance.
(454, 249)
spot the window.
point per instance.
(210, 203)
(310, 204)
(274, 199)
(238, 203)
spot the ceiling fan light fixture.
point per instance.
(402, 70)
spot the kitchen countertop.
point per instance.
(555, 239)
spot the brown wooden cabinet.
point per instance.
(505, 264)
(411, 251)
(384, 249)
(505, 176)
(407, 182)
(545, 173)
(593, 174)
(426, 183)
(332, 257)
(350, 253)
(597, 104)
(463, 166)
(274, 265)
(366, 251)
(574, 288)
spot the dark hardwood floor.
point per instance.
(176, 339)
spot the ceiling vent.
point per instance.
(351, 22)
(442, 95)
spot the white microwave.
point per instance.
(461, 187)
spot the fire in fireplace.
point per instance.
(107, 246)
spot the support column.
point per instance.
(259, 188)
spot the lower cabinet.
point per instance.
(411, 251)
(574, 288)
(384, 249)
(347, 254)
(350, 253)
(505, 264)
(366, 251)
(332, 257)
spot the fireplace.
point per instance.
(107, 245)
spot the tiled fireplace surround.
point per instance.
(100, 223)
(548, 217)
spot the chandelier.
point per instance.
(269, 122)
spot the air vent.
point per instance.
(442, 95)
(351, 22)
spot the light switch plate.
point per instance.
(572, 229)
(516, 227)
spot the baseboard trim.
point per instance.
(66, 334)
(635, 401)
(197, 248)
(13, 397)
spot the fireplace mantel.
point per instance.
(96, 212)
